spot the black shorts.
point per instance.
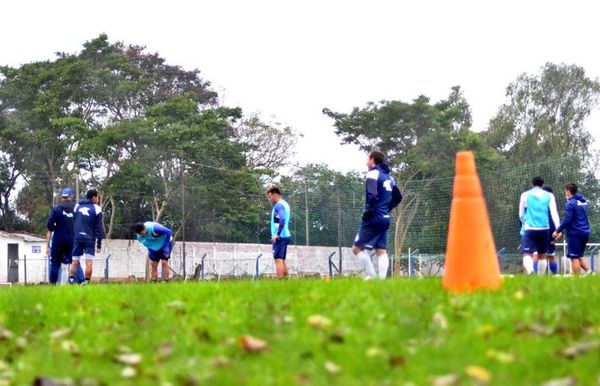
(280, 248)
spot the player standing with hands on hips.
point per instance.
(87, 232)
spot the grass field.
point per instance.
(303, 332)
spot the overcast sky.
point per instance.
(288, 60)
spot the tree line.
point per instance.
(155, 140)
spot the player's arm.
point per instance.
(396, 197)
(554, 210)
(99, 232)
(48, 237)
(569, 213)
(522, 206)
(160, 230)
(280, 214)
(372, 194)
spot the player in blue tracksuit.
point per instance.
(87, 231)
(551, 250)
(59, 240)
(159, 241)
(535, 204)
(382, 195)
(577, 226)
(280, 231)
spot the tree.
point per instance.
(269, 147)
(544, 115)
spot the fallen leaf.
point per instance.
(70, 347)
(165, 351)
(252, 344)
(221, 361)
(478, 374)
(578, 349)
(319, 322)
(502, 357)
(5, 334)
(374, 352)
(128, 372)
(519, 295)
(332, 368)
(61, 333)
(486, 329)
(397, 360)
(446, 380)
(440, 320)
(129, 359)
(568, 381)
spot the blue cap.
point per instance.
(66, 192)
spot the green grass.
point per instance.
(382, 333)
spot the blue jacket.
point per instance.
(60, 222)
(157, 237)
(575, 220)
(87, 224)
(382, 195)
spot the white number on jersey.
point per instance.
(388, 185)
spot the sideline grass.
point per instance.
(397, 332)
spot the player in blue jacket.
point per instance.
(382, 195)
(159, 241)
(59, 240)
(87, 230)
(577, 226)
(280, 230)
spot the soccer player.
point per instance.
(382, 195)
(59, 239)
(534, 206)
(551, 250)
(159, 241)
(577, 226)
(87, 228)
(280, 231)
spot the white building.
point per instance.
(22, 258)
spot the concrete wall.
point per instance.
(128, 259)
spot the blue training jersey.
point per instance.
(87, 223)
(534, 206)
(157, 237)
(378, 198)
(280, 219)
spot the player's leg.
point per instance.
(76, 256)
(153, 270)
(285, 241)
(576, 265)
(528, 247)
(55, 263)
(362, 243)
(164, 269)
(279, 256)
(383, 261)
(89, 253)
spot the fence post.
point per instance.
(106, 268)
(257, 269)
(25, 267)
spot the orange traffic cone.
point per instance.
(471, 261)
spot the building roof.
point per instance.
(22, 236)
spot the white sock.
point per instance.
(365, 260)
(542, 266)
(383, 263)
(528, 264)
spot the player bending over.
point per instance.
(159, 241)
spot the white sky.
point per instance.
(288, 60)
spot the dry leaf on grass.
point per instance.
(578, 349)
(319, 322)
(479, 374)
(440, 320)
(446, 380)
(332, 368)
(129, 359)
(568, 381)
(252, 344)
(61, 333)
